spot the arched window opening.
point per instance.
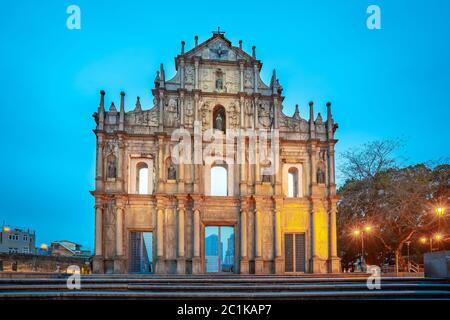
(219, 181)
(142, 178)
(293, 183)
(219, 118)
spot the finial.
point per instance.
(196, 40)
(329, 116)
(297, 112)
(240, 44)
(182, 47)
(138, 104)
(122, 101)
(311, 112)
(112, 107)
(102, 99)
(254, 51)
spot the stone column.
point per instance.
(317, 263)
(279, 268)
(242, 110)
(182, 73)
(181, 262)
(257, 162)
(160, 241)
(334, 263)
(244, 267)
(99, 169)
(118, 261)
(160, 161)
(119, 232)
(275, 112)
(98, 230)
(120, 166)
(97, 263)
(241, 76)
(255, 77)
(161, 111)
(196, 260)
(196, 64)
(259, 264)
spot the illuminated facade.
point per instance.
(228, 213)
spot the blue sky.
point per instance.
(393, 82)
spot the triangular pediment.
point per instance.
(218, 48)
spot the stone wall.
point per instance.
(35, 263)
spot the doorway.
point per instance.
(219, 249)
(294, 252)
(141, 252)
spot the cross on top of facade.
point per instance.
(218, 31)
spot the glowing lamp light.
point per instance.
(440, 211)
(6, 229)
(423, 240)
(438, 237)
(356, 232)
(44, 246)
(368, 228)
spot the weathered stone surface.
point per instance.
(216, 85)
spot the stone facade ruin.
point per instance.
(275, 225)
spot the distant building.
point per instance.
(68, 249)
(17, 240)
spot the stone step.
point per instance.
(245, 295)
(224, 287)
(214, 280)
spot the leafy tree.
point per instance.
(398, 202)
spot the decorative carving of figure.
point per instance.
(189, 114)
(219, 80)
(172, 113)
(218, 122)
(233, 116)
(171, 172)
(205, 115)
(264, 115)
(112, 170)
(320, 175)
(219, 50)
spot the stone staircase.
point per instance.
(222, 287)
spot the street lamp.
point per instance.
(440, 211)
(424, 240)
(358, 233)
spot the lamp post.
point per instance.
(440, 211)
(409, 263)
(360, 233)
